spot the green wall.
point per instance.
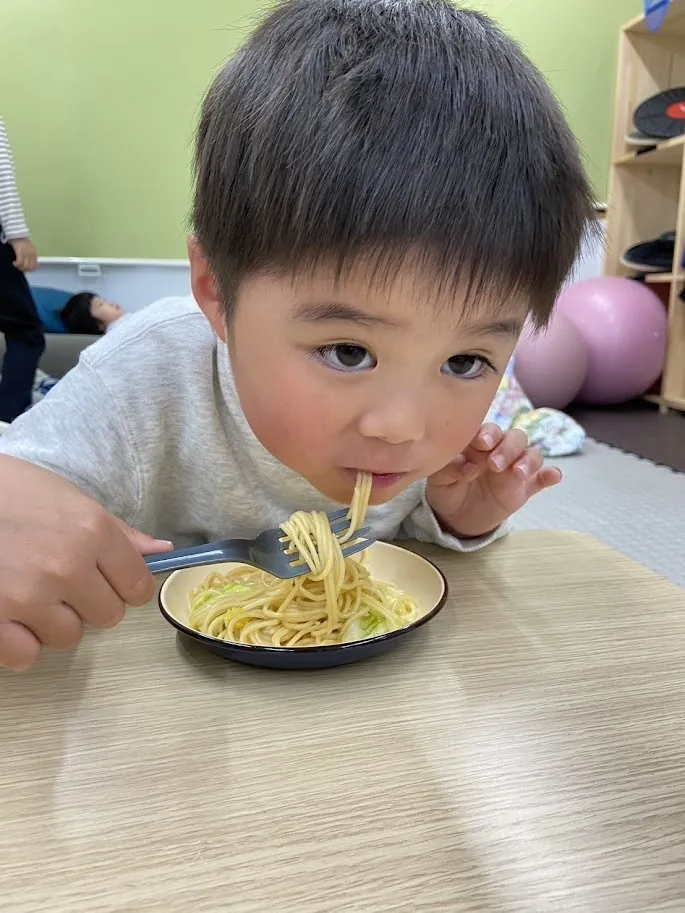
(100, 99)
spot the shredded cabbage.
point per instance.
(372, 624)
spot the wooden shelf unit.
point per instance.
(665, 152)
(658, 278)
(647, 187)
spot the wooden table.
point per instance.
(525, 752)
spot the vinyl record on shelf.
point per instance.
(663, 115)
(635, 138)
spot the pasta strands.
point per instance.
(336, 602)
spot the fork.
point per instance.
(270, 551)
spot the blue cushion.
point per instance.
(49, 302)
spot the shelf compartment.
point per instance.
(667, 152)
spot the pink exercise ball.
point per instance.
(624, 324)
(551, 364)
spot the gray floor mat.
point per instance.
(631, 504)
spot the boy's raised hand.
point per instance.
(64, 562)
(487, 483)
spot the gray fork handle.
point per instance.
(196, 556)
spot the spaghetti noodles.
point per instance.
(336, 602)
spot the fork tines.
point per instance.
(339, 524)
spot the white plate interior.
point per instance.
(411, 573)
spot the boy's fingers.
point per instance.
(513, 445)
(123, 567)
(550, 475)
(529, 464)
(547, 477)
(487, 438)
(462, 469)
(19, 648)
(144, 544)
(467, 466)
(98, 604)
(453, 472)
(59, 628)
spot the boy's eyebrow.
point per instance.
(338, 311)
(505, 327)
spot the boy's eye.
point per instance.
(346, 357)
(465, 366)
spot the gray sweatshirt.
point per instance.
(150, 425)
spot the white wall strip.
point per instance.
(131, 283)
(136, 283)
(111, 261)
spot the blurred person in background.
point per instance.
(19, 321)
(90, 314)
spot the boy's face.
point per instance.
(333, 378)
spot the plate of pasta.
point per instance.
(342, 611)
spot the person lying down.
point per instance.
(89, 314)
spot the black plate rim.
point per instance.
(252, 649)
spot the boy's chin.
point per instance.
(340, 488)
(382, 496)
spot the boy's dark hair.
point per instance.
(389, 128)
(77, 318)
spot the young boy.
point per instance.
(385, 190)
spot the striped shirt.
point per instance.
(12, 222)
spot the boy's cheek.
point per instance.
(276, 431)
(296, 429)
(453, 429)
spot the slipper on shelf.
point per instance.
(655, 256)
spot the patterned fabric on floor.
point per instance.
(554, 432)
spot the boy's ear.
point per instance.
(205, 288)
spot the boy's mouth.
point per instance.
(380, 479)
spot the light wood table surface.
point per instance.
(525, 751)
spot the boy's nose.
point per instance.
(397, 422)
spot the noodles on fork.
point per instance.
(337, 601)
